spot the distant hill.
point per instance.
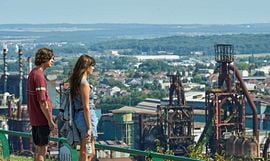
(102, 32)
(180, 39)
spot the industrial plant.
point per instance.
(171, 124)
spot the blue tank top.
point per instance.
(78, 99)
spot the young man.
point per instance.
(39, 104)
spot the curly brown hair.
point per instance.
(43, 55)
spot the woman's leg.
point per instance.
(92, 155)
(83, 153)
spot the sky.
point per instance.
(134, 11)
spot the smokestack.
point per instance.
(19, 51)
(29, 60)
(5, 52)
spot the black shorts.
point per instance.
(40, 135)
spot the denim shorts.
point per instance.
(80, 122)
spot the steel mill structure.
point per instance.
(175, 120)
(224, 132)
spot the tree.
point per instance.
(243, 66)
(159, 94)
(197, 78)
(259, 73)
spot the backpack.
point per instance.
(66, 126)
(66, 109)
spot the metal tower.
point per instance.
(176, 119)
(225, 105)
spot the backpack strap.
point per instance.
(70, 110)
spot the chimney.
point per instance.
(19, 51)
(5, 52)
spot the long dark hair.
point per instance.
(82, 64)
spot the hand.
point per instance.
(88, 135)
(52, 125)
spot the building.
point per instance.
(13, 86)
(157, 57)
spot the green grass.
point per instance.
(21, 158)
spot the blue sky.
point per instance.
(135, 11)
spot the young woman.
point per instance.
(85, 116)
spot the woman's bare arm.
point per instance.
(85, 93)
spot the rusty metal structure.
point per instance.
(175, 120)
(225, 110)
(18, 120)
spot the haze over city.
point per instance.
(136, 11)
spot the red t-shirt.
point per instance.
(37, 91)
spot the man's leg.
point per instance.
(41, 139)
(40, 154)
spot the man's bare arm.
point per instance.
(45, 109)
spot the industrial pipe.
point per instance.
(249, 99)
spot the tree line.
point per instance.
(184, 45)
